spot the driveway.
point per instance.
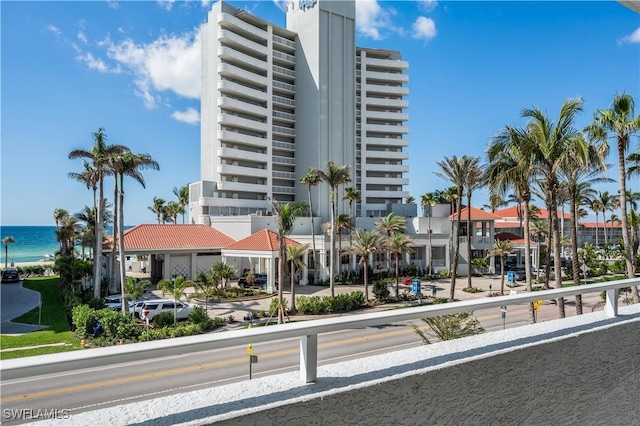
(15, 301)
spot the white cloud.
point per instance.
(113, 4)
(82, 37)
(166, 4)
(205, 3)
(371, 19)
(427, 5)
(424, 28)
(169, 63)
(97, 63)
(634, 37)
(53, 29)
(190, 116)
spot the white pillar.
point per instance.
(166, 273)
(309, 358)
(194, 266)
(305, 271)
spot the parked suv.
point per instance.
(154, 307)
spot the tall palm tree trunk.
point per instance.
(575, 265)
(469, 239)
(557, 261)
(332, 242)
(116, 220)
(456, 254)
(125, 305)
(628, 256)
(527, 257)
(97, 259)
(316, 272)
(430, 246)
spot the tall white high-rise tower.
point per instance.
(278, 101)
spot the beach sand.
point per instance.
(41, 263)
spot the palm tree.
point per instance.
(398, 244)
(67, 233)
(510, 167)
(99, 156)
(295, 255)
(183, 199)
(410, 199)
(223, 272)
(455, 170)
(353, 196)
(58, 214)
(577, 175)
(128, 164)
(365, 243)
(605, 203)
(593, 202)
(285, 215)
(620, 124)
(90, 178)
(172, 210)
(206, 285)
(427, 201)
(539, 228)
(495, 202)
(312, 178)
(501, 248)
(158, 208)
(175, 288)
(474, 179)
(548, 144)
(388, 226)
(7, 240)
(334, 176)
(134, 289)
(344, 222)
(633, 161)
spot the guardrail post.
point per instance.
(611, 303)
(309, 358)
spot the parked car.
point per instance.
(154, 307)
(259, 281)
(521, 276)
(10, 275)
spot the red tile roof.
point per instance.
(516, 239)
(264, 240)
(500, 224)
(511, 212)
(476, 214)
(173, 236)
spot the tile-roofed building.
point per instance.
(264, 240)
(476, 214)
(152, 237)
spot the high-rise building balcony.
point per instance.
(226, 169)
(237, 73)
(233, 104)
(387, 181)
(283, 101)
(286, 131)
(237, 89)
(234, 120)
(394, 103)
(391, 90)
(228, 53)
(397, 168)
(388, 63)
(279, 85)
(284, 72)
(231, 136)
(284, 42)
(398, 155)
(240, 154)
(226, 20)
(387, 115)
(241, 44)
(242, 187)
(285, 57)
(385, 194)
(283, 190)
(386, 142)
(386, 128)
(387, 76)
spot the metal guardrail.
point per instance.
(306, 331)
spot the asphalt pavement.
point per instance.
(15, 301)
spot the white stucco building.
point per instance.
(276, 101)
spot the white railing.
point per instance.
(306, 331)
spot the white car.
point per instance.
(153, 307)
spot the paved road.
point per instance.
(90, 389)
(15, 301)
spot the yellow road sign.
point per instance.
(249, 349)
(536, 305)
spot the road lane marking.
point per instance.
(195, 367)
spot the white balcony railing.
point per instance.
(306, 331)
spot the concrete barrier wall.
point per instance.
(591, 378)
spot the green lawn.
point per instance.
(53, 315)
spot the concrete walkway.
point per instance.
(15, 301)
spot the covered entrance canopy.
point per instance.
(262, 249)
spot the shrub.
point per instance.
(472, 290)
(381, 290)
(273, 307)
(199, 316)
(95, 303)
(82, 318)
(163, 319)
(217, 321)
(309, 305)
(117, 326)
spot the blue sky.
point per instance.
(133, 68)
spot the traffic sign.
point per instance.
(144, 313)
(536, 305)
(249, 349)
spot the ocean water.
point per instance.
(32, 243)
